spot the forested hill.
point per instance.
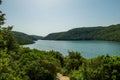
(110, 33)
(23, 38)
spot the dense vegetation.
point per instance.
(110, 33)
(19, 63)
(23, 38)
(102, 67)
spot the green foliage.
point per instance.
(110, 33)
(72, 62)
(100, 68)
(7, 40)
(0, 1)
(19, 63)
(58, 56)
(23, 38)
(2, 18)
(39, 65)
(28, 64)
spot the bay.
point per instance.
(88, 49)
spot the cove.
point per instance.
(88, 49)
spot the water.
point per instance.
(88, 49)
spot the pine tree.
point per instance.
(7, 40)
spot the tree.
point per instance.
(2, 18)
(73, 61)
(0, 1)
(7, 40)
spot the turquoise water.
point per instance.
(88, 49)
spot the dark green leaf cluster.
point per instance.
(99, 68)
(2, 18)
(7, 40)
(72, 62)
(27, 64)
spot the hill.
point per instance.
(23, 38)
(110, 33)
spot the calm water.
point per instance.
(87, 49)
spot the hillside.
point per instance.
(23, 38)
(110, 33)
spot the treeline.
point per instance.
(110, 33)
(23, 38)
(19, 63)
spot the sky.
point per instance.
(41, 17)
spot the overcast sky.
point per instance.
(42, 17)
